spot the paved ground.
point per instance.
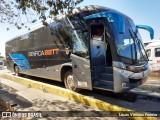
(2, 108)
(152, 84)
(31, 99)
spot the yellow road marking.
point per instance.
(71, 95)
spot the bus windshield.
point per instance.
(141, 54)
(129, 44)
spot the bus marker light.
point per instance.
(80, 73)
(86, 66)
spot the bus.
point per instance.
(93, 48)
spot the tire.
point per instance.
(16, 71)
(69, 82)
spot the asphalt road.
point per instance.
(2, 108)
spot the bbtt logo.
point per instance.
(44, 52)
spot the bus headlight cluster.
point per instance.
(124, 72)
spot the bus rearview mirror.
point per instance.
(148, 28)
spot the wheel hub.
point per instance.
(16, 70)
(70, 82)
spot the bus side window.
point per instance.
(157, 52)
(18, 45)
(97, 32)
(79, 47)
(31, 40)
(53, 34)
(67, 37)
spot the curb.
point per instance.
(6, 102)
(71, 95)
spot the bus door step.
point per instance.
(106, 76)
(109, 70)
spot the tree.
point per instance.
(6, 11)
(33, 10)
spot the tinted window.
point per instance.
(125, 43)
(79, 47)
(125, 46)
(39, 35)
(23, 41)
(97, 32)
(30, 42)
(148, 52)
(157, 52)
(79, 34)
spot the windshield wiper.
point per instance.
(139, 42)
(136, 61)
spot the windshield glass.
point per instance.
(141, 54)
(129, 44)
(125, 43)
(125, 46)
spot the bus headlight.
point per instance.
(125, 73)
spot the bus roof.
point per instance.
(75, 11)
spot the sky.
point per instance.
(143, 12)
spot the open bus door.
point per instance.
(81, 62)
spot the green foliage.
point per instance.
(33, 10)
(6, 11)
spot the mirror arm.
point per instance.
(148, 28)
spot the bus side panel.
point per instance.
(10, 64)
(47, 62)
(46, 50)
(52, 72)
(11, 47)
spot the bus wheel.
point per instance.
(69, 82)
(16, 70)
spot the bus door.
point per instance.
(97, 49)
(81, 61)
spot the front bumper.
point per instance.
(125, 80)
